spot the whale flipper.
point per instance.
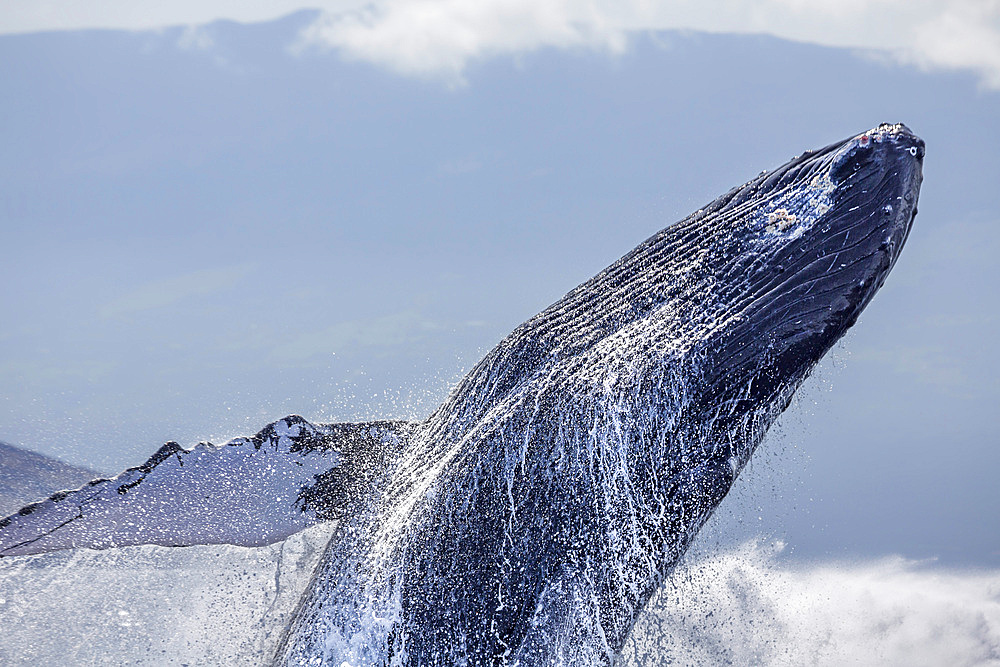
(249, 491)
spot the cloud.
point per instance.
(441, 37)
(965, 36)
(744, 608)
(195, 38)
(41, 15)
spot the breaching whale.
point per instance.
(529, 519)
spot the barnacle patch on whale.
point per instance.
(780, 220)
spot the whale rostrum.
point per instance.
(530, 518)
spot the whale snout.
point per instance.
(896, 134)
(877, 176)
(913, 144)
(831, 236)
(908, 152)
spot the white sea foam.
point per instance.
(152, 605)
(228, 605)
(745, 607)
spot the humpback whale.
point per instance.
(530, 518)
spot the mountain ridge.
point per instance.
(26, 476)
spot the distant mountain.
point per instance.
(26, 476)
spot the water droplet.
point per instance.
(887, 209)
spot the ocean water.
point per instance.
(222, 605)
(748, 606)
(151, 605)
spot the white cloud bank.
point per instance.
(440, 37)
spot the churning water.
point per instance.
(223, 605)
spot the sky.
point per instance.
(336, 213)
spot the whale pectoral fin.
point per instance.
(249, 491)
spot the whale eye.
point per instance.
(913, 151)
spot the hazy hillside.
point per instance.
(27, 476)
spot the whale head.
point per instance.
(807, 247)
(719, 317)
